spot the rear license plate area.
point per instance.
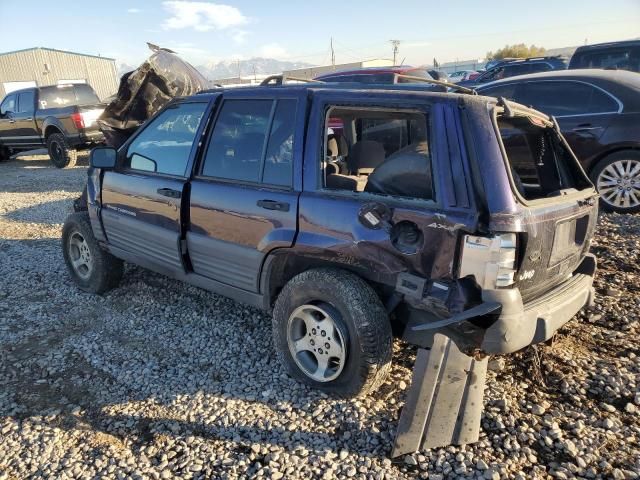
(569, 238)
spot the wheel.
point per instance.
(617, 179)
(60, 153)
(332, 332)
(93, 269)
(5, 153)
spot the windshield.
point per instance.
(623, 58)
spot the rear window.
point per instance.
(622, 58)
(66, 95)
(541, 166)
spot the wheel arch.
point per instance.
(50, 126)
(594, 161)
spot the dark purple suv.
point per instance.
(412, 215)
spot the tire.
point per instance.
(61, 154)
(5, 154)
(613, 184)
(93, 269)
(361, 325)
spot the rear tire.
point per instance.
(5, 154)
(332, 332)
(61, 154)
(93, 269)
(617, 179)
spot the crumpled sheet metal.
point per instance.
(144, 91)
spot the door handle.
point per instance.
(273, 205)
(586, 127)
(169, 192)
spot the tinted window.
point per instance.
(565, 98)
(513, 70)
(58, 96)
(539, 67)
(615, 58)
(8, 105)
(85, 94)
(278, 163)
(25, 101)
(507, 91)
(165, 144)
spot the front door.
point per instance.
(25, 125)
(7, 120)
(142, 198)
(244, 196)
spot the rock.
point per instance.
(481, 465)
(491, 474)
(410, 460)
(630, 408)
(538, 410)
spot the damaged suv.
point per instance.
(350, 212)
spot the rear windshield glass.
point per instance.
(65, 95)
(541, 166)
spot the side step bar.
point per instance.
(444, 404)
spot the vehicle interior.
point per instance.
(541, 166)
(378, 151)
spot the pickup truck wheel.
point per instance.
(5, 154)
(617, 179)
(332, 332)
(93, 269)
(60, 153)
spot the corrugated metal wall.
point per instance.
(33, 64)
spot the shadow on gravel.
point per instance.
(51, 212)
(154, 359)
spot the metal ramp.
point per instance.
(445, 402)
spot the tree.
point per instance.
(516, 51)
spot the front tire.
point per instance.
(617, 179)
(61, 154)
(93, 269)
(332, 332)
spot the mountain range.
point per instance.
(230, 68)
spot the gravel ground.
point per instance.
(161, 380)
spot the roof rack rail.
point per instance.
(453, 86)
(274, 80)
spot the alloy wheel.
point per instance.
(619, 184)
(80, 255)
(316, 342)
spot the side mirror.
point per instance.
(103, 157)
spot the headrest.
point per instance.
(365, 156)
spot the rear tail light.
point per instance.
(491, 260)
(78, 120)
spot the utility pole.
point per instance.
(396, 48)
(333, 54)
(238, 67)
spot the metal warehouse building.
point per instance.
(46, 66)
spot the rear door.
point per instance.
(25, 125)
(244, 194)
(142, 198)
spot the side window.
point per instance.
(278, 163)
(519, 69)
(165, 144)
(246, 146)
(539, 67)
(565, 98)
(25, 102)
(507, 91)
(8, 105)
(386, 152)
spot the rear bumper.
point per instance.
(90, 137)
(520, 324)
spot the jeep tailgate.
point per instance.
(558, 205)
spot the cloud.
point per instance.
(133, 10)
(202, 16)
(273, 50)
(239, 36)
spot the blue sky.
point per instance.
(207, 31)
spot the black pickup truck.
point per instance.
(62, 117)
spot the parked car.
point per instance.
(613, 55)
(460, 75)
(60, 117)
(378, 75)
(420, 225)
(599, 114)
(511, 68)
